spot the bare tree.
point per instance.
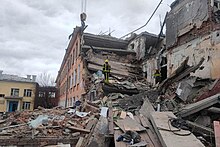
(45, 79)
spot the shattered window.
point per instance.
(52, 94)
(41, 94)
(132, 46)
(75, 78)
(70, 80)
(27, 92)
(2, 95)
(26, 105)
(14, 92)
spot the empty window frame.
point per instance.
(14, 92)
(41, 94)
(2, 95)
(26, 106)
(27, 92)
(52, 94)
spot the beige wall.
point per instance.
(5, 88)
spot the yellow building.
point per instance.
(17, 93)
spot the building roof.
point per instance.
(104, 41)
(16, 78)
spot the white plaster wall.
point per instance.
(150, 66)
(207, 47)
(139, 47)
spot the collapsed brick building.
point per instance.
(85, 55)
(193, 30)
(188, 58)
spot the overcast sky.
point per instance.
(34, 33)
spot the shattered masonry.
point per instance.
(181, 110)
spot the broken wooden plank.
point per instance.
(160, 121)
(145, 111)
(80, 142)
(146, 108)
(214, 110)
(137, 119)
(200, 129)
(91, 123)
(14, 126)
(99, 132)
(123, 114)
(111, 122)
(88, 107)
(78, 129)
(143, 121)
(120, 125)
(217, 133)
(198, 106)
(129, 124)
(2, 121)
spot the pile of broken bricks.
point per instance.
(61, 124)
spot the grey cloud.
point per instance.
(35, 32)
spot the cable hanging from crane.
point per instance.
(146, 22)
(83, 6)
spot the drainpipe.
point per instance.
(66, 90)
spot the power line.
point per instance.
(146, 22)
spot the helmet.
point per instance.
(106, 60)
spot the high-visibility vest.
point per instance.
(157, 75)
(106, 68)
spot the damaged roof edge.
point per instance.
(114, 50)
(105, 37)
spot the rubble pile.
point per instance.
(192, 99)
(133, 105)
(49, 123)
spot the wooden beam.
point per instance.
(200, 129)
(80, 142)
(198, 106)
(214, 110)
(160, 121)
(217, 133)
(78, 129)
(110, 119)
